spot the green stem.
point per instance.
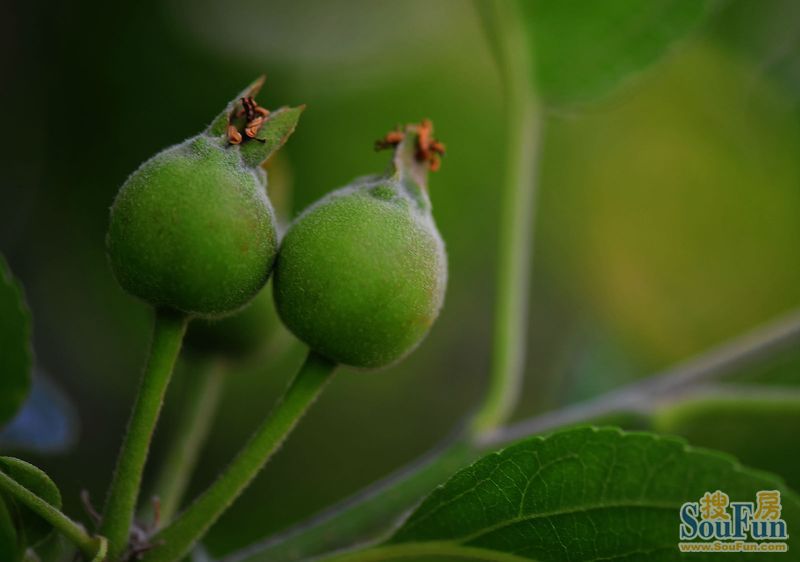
(176, 540)
(374, 511)
(197, 413)
(367, 515)
(516, 215)
(88, 545)
(168, 330)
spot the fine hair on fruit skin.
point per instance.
(361, 274)
(192, 229)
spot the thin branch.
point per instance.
(740, 393)
(197, 414)
(369, 512)
(517, 201)
(168, 330)
(180, 536)
(711, 365)
(337, 523)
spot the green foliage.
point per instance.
(581, 494)
(582, 50)
(362, 273)
(362, 277)
(31, 528)
(754, 426)
(15, 334)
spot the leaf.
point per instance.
(10, 548)
(219, 125)
(30, 526)
(752, 424)
(15, 336)
(273, 134)
(582, 494)
(583, 50)
(45, 424)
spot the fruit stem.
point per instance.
(405, 164)
(516, 214)
(365, 516)
(74, 532)
(177, 539)
(198, 410)
(168, 330)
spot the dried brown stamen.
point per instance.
(429, 149)
(254, 115)
(390, 140)
(234, 136)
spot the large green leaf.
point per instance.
(31, 528)
(756, 426)
(582, 494)
(582, 50)
(15, 347)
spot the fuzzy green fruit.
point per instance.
(249, 331)
(361, 274)
(192, 228)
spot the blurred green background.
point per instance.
(668, 217)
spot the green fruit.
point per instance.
(250, 330)
(192, 228)
(361, 274)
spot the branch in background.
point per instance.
(385, 502)
(198, 411)
(711, 365)
(736, 391)
(370, 512)
(523, 124)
